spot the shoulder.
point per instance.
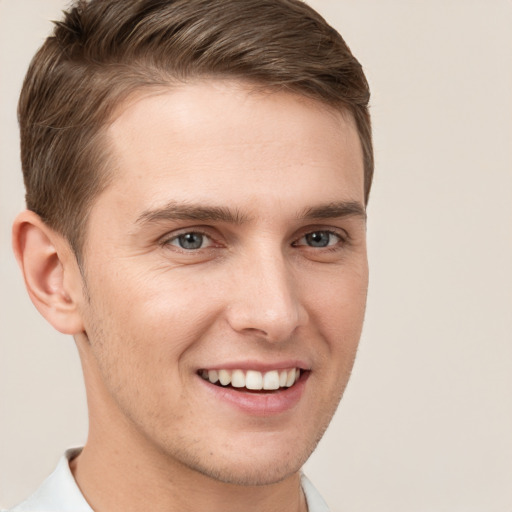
(58, 493)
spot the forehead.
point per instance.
(226, 142)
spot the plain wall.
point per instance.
(426, 422)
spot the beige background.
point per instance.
(426, 423)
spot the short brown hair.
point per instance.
(104, 50)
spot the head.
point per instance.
(200, 170)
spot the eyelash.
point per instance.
(333, 247)
(342, 239)
(168, 241)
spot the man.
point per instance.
(197, 173)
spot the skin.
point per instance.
(147, 314)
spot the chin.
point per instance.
(249, 473)
(262, 463)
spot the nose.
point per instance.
(265, 300)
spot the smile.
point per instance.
(252, 379)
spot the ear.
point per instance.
(51, 272)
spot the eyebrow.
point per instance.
(335, 210)
(191, 212)
(182, 211)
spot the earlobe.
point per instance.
(50, 271)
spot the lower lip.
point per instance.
(260, 404)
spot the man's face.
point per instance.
(232, 238)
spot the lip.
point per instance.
(258, 404)
(260, 366)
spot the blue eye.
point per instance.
(319, 239)
(189, 241)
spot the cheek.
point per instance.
(339, 297)
(156, 303)
(144, 329)
(337, 311)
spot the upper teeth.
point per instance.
(252, 379)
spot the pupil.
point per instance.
(318, 239)
(191, 241)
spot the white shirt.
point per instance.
(60, 493)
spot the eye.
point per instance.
(190, 241)
(319, 239)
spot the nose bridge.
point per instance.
(266, 299)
